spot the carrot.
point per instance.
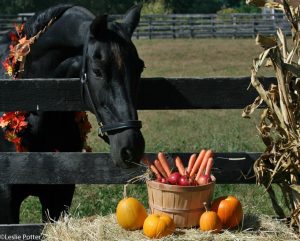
(197, 163)
(159, 167)
(155, 171)
(191, 163)
(179, 165)
(209, 165)
(164, 162)
(207, 155)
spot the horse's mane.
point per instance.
(41, 19)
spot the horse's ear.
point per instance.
(99, 26)
(132, 18)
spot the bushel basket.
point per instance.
(182, 203)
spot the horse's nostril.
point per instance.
(126, 154)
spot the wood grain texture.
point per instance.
(42, 94)
(197, 93)
(98, 168)
(170, 93)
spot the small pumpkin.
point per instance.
(210, 221)
(158, 226)
(131, 214)
(229, 210)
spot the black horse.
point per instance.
(78, 44)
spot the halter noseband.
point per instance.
(104, 129)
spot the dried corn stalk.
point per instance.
(279, 125)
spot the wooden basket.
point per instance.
(183, 204)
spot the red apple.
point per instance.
(158, 179)
(204, 179)
(164, 180)
(174, 178)
(184, 181)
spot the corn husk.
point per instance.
(280, 120)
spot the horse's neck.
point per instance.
(58, 51)
(69, 30)
(65, 35)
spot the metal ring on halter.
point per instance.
(131, 124)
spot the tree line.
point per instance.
(120, 6)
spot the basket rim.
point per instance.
(168, 187)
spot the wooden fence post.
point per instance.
(150, 27)
(174, 26)
(191, 27)
(254, 27)
(213, 30)
(233, 16)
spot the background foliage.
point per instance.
(120, 6)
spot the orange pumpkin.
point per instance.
(131, 214)
(158, 226)
(210, 221)
(229, 209)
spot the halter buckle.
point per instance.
(100, 133)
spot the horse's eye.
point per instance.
(97, 72)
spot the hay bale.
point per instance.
(96, 228)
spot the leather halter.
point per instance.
(104, 129)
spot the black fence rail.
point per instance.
(97, 168)
(170, 93)
(191, 25)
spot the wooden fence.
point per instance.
(97, 168)
(193, 25)
(210, 25)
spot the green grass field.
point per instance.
(183, 130)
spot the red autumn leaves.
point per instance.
(14, 122)
(15, 52)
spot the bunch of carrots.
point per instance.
(198, 171)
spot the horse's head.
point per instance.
(113, 70)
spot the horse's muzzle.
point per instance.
(127, 147)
